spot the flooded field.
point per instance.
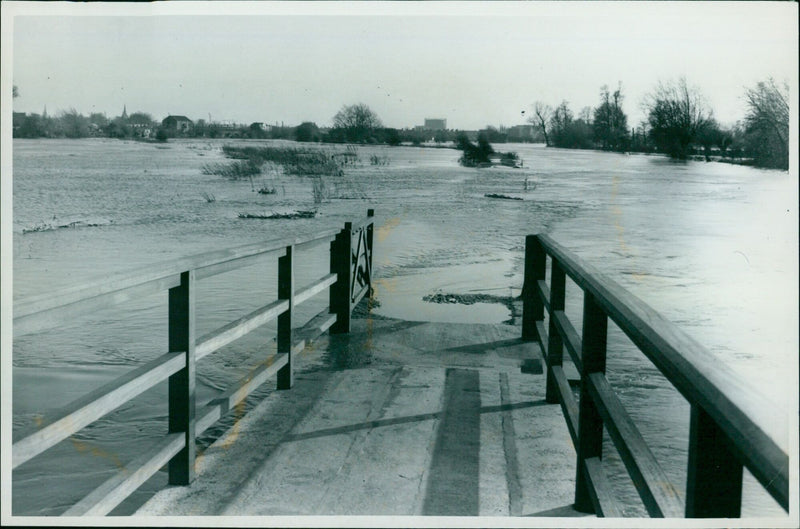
(711, 246)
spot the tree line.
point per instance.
(72, 124)
(679, 123)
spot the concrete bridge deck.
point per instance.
(396, 418)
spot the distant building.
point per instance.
(177, 123)
(435, 124)
(261, 126)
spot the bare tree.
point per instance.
(357, 121)
(99, 119)
(586, 115)
(767, 124)
(140, 118)
(73, 124)
(676, 114)
(610, 122)
(561, 120)
(542, 114)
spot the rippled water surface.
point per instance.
(712, 247)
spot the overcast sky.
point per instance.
(473, 64)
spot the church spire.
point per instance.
(124, 112)
(44, 112)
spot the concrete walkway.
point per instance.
(396, 418)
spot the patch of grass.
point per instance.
(297, 161)
(237, 170)
(347, 189)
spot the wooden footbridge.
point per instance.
(383, 417)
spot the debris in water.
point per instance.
(470, 299)
(497, 195)
(73, 224)
(291, 215)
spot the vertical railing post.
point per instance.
(714, 477)
(532, 306)
(590, 423)
(340, 291)
(370, 231)
(182, 384)
(286, 291)
(555, 344)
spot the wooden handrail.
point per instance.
(94, 405)
(311, 290)
(659, 496)
(179, 278)
(49, 309)
(234, 330)
(728, 403)
(114, 490)
(603, 499)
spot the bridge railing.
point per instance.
(724, 434)
(349, 279)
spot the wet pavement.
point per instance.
(396, 418)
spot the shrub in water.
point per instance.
(474, 155)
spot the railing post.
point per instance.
(286, 291)
(532, 306)
(340, 291)
(590, 423)
(714, 477)
(370, 232)
(555, 344)
(182, 384)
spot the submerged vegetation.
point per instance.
(474, 155)
(296, 161)
(319, 190)
(483, 154)
(236, 170)
(378, 160)
(318, 164)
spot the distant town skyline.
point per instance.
(473, 64)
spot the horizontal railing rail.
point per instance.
(729, 419)
(186, 420)
(50, 309)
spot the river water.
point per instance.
(713, 247)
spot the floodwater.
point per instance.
(713, 247)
